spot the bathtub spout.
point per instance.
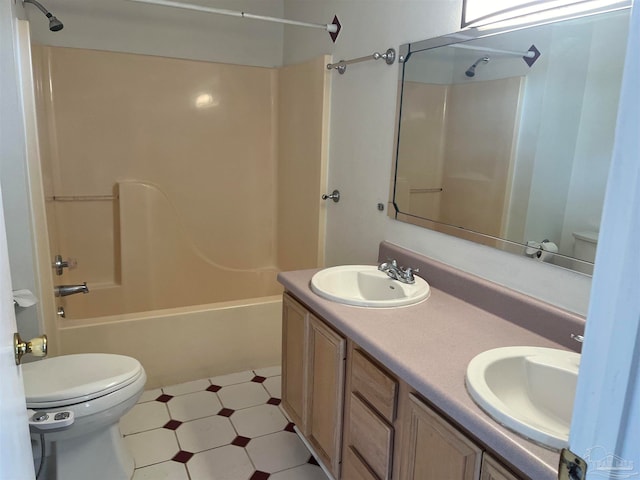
(64, 290)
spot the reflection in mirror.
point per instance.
(506, 139)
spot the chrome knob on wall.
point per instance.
(335, 196)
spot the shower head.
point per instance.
(54, 24)
(471, 71)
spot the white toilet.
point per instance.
(585, 244)
(99, 389)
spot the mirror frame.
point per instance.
(465, 35)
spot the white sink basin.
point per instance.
(529, 390)
(366, 286)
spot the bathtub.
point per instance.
(181, 344)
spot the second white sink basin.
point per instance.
(529, 390)
(366, 286)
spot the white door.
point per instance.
(606, 417)
(16, 462)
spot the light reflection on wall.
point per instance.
(206, 100)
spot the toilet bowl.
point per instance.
(585, 244)
(98, 389)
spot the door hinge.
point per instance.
(571, 467)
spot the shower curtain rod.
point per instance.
(389, 57)
(529, 54)
(332, 28)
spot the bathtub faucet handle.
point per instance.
(59, 265)
(64, 290)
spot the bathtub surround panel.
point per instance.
(182, 125)
(303, 115)
(156, 256)
(177, 182)
(184, 344)
(465, 161)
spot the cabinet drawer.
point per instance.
(370, 437)
(374, 385)
(353, 468)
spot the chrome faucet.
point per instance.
(404, 275)
(64, 290)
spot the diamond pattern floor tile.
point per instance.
(205, 434)
(194, 405)
(224, 463)
(232, 378)
(188, 387)
(257, 421)
(277, 451)
(273, 386)
(269, 371)
(224, 428)
(243, 395)
(151, 447)
(150, 395)
(304, 472)
(144, 416)
(162, 471)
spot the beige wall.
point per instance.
(164, 181)
(363, 106)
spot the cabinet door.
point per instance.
(326, 373)
(434, 449)
(294, 374)
(493, 470)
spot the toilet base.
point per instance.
(100, 456)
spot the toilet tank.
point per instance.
(584, 245)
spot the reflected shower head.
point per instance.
(55, 25)
(471, 71)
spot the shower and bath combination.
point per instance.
(55, 25)
(471, 71)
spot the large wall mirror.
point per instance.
(505, 136)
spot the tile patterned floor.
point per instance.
(222, 428)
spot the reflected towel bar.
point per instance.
(81, 198)
(425, 190)
(389, 57)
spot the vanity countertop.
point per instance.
(428, 345)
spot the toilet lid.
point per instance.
(70, 379)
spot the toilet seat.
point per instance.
(71, 379)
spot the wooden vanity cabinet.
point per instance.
(379, 429)
(313, 369)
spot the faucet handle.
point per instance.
(407, 274)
